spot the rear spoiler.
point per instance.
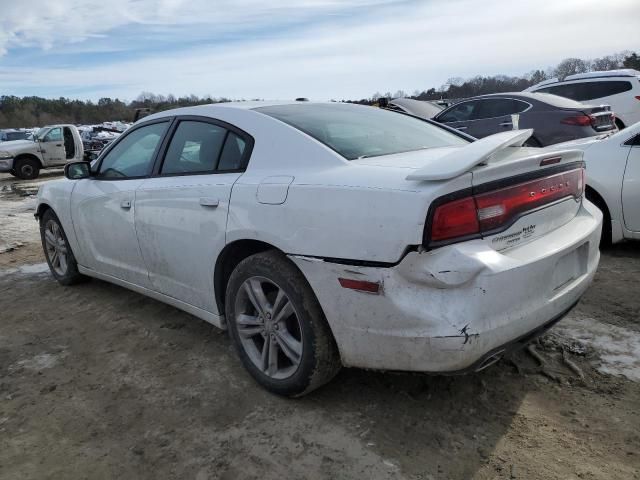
(463, 159)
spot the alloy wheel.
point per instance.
(56, 247)
(268, 327)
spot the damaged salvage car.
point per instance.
(323, 235)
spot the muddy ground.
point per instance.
(99, 382)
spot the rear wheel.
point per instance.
(57, 251)
(619, 124)
(26, 168)
(277, 326)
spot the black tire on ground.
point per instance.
(532, 142)
(68, 275)
(320, 360)
(606, 236)
(26, 168)
(619, 124)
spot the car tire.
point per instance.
(26, 168)
(57, 251)
(285, 320)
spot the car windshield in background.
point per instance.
(359, 132)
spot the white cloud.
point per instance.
(414, 45)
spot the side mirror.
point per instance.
(77, 170)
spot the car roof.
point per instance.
(548, 98)
(624, 72)
(212, 108)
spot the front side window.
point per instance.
(358, 131)
(195, 147)
(459, 113)
(133, 155)
(54, 135)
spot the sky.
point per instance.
(282, 49)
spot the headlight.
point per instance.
(6, 155)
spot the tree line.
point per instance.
(36, 111)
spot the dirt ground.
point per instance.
(99, 382)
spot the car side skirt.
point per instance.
(212, 318)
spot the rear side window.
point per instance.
(358, 131)
(195, 147)
(232, 153)
(499, 107)
(202, 147)
(589, 90)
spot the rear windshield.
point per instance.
(359, 132)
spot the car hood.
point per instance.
(14, 145)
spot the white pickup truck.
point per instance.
(54, 145)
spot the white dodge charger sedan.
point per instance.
(331, 234)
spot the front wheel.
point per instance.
(278, 327)
(57, 251)
(26, 168)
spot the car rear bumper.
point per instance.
(457, 308)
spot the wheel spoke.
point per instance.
(253, 287)
(273, 357)
(248, 320)
(50, 238)
(63, 262)
(285, 311)
(54, 258)
(264, 360)
(291, 347)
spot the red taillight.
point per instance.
(580, 120)
(486, 212)
(455, 219)
(637, 97)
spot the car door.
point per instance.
(631, 187)
(458, 116)
(181, 213)
(103, 206)
(52, 147)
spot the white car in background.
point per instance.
(613, 180)
(618, 88)
(331, 234)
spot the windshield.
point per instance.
(356, 131)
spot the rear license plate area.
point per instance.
(570, 267)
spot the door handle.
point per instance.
(506, 124)
(461, 128)
(126, 204)
(209, 202)
(58, 144)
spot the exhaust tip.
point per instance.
(490, 360)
